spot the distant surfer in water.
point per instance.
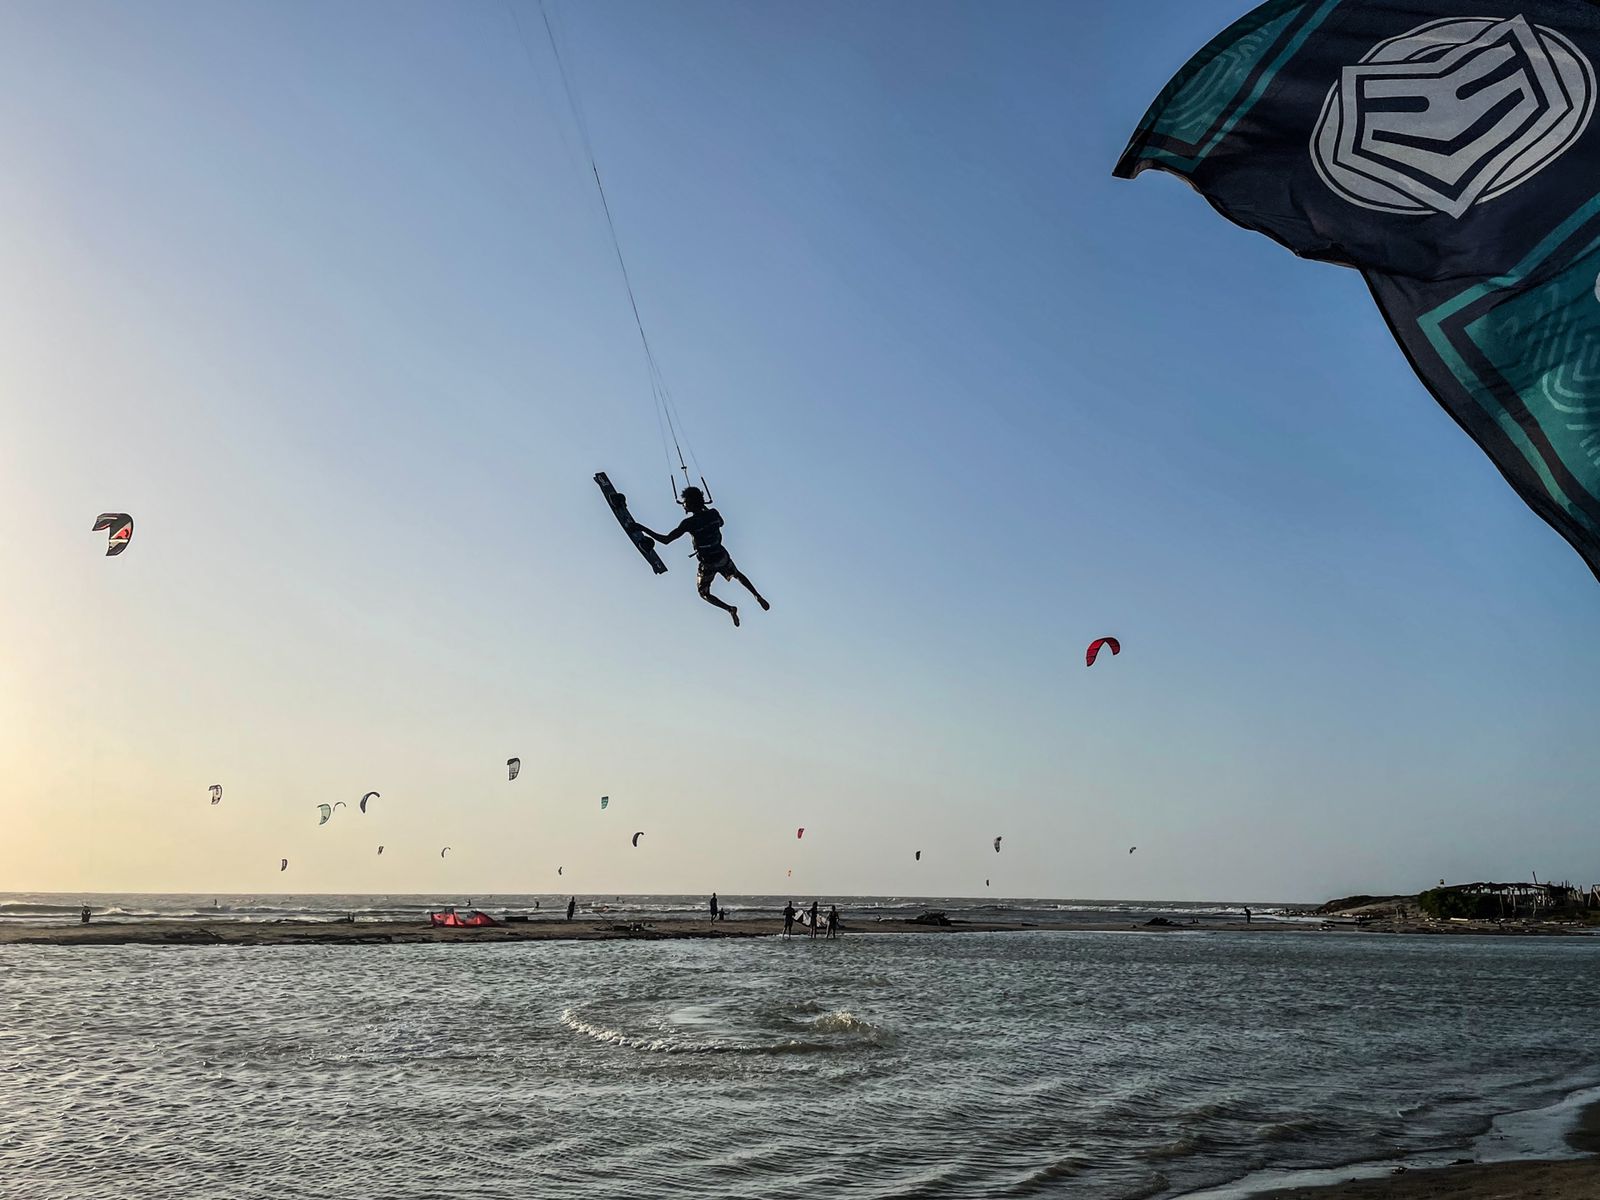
(704, 526)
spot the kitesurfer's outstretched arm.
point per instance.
(683, 528)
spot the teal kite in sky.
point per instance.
(1445, 151)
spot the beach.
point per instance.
(1485, 1181)
(367, 933)
(1566, 1180)
(621, 926)
(289, 932)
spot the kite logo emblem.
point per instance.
(1452, 114)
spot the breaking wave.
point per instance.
(824, 1031)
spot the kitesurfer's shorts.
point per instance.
(714, 563)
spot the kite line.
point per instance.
(668, 420)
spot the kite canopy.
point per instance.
(445, 851)
(513, 765)
(561, 870)
(800, 833)
(368, 796)
(120, 531)
(1447, 156)
(637, 836)
(216, 793)
(1131, 849)
(284, 865)
(997, 845)
(380, 849)
(919, 855)
(604, 800)
(455, 920)
(325, 811)
(1110, 643)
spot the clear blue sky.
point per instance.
(321, 294)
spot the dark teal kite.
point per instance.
(1447, 152)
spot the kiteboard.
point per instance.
(619, 508)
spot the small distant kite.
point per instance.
(368, 796)
(1131, 849)
(604, 800)
(561, 870)
(284, 865)
(216, 793)
(325, 811)
(445, 851)
(997, 845)
(380, 849)
(637, 836)
(800, 833)
(919, 855)
(338, 804)
(1093, 652)
(791, 872)
(120, 526)
(513, 765)
(985, 883)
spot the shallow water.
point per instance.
(978, 1065)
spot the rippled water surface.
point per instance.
(971, 1065)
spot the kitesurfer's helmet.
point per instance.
(693, 496)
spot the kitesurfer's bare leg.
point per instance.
(705, 594)
(751, 588)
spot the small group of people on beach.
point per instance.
(809, 917)
(806, 916)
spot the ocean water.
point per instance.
(1091, 1065)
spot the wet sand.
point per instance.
(1574, 1180)
(588, 927)
(540, 929)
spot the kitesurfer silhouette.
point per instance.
(704, 526)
